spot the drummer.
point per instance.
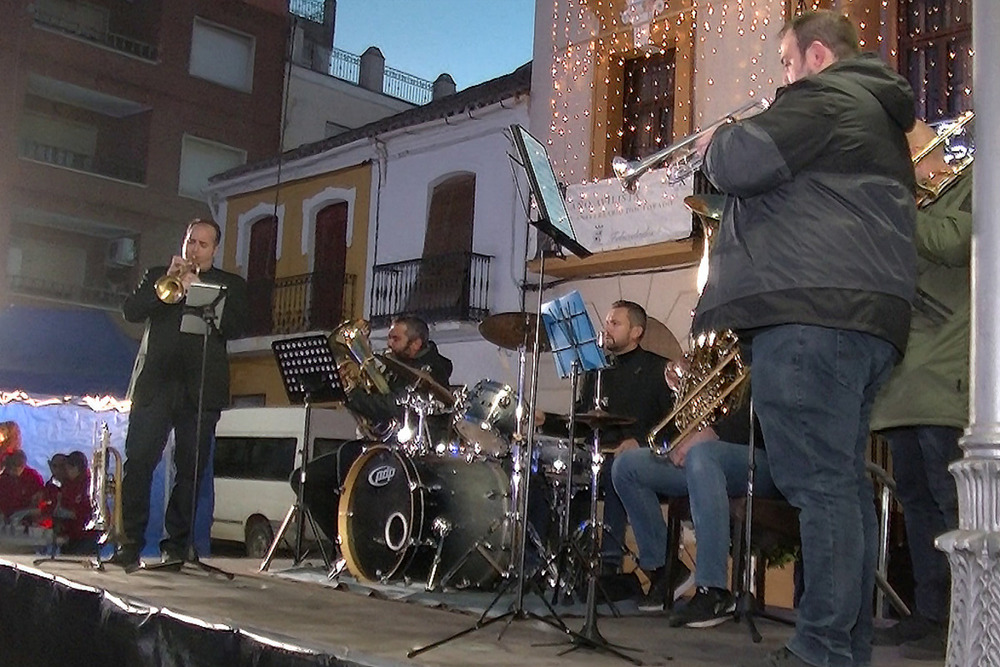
(410, 344)
(633, 386)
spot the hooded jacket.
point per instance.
(818, 222)
(930, 387)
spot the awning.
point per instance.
(64, 351)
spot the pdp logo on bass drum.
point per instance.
(381, 475)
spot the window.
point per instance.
(648, 105)
(935, 55)
(222, 55)
(254, 458)
(201, 159)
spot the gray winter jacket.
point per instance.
(819, 219)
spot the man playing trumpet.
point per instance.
(166, 386)
(814, 267)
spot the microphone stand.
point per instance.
(208, 316)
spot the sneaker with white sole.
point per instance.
(709, 607)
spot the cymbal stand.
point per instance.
(519, 489)
(589, 636)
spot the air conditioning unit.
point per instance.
(122, 252)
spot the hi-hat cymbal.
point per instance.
(706, 206)
(600, 419)
(422, 379)
(513, 331)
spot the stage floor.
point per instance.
(358, 629)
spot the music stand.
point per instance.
(309, 372)
(554, 221)
(203, 307)
(574, 345)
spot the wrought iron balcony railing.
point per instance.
(309, 302)
(395, 83)
(111, 40)
(81, 294)
(91, 164)
(442, 287)
(311, 10)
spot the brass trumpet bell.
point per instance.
(169, 289)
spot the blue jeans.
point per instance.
(813, 389)
(929, 496)
(713, 472)
(613, 518)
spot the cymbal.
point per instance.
(422, 379)
(706, 206)
(513, 330)
(600, 418)
(659, 339)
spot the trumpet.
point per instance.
(106, 489)
(170, 288)
(681, 158)
(929, 189)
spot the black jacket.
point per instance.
(383, 409)
(819, 219)
(634, 386)
(167, 354)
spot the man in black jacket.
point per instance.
(165, 388)
(634, 386)
(814, 267)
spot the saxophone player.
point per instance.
(165, 389)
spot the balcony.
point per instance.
(311, 10)
(48, 15)
(63, 157)
(105, 298)
(346, 66)
(309, 302)
(443, 287)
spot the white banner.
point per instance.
(605, 216)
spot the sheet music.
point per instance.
(572, 335)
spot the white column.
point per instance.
(974, 549)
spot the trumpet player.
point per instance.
(814, 268)
(165, 389)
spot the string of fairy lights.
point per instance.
(724, 51)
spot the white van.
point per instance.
(256, 450)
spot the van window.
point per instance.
(254, 457)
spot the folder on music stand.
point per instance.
(308, 369)
(572, 335)
(203, 306)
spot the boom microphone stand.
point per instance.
(198, 318)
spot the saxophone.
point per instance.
(106, 489)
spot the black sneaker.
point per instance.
(655, 598)
(909, 629)
(780, 658)
(126, 558)
(709, 607)
(932, 646)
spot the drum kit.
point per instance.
(443, 511)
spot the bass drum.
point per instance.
(396, 509)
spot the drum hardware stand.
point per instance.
(198, 318)
(589, 636)
(519, 486)
(309, 372)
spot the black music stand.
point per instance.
(553, 220)
(574, 345)
(309, 372)
(203, 307)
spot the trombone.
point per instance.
(681, 157)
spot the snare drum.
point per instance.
(396, 509)
(550, 456)
(487, 417)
